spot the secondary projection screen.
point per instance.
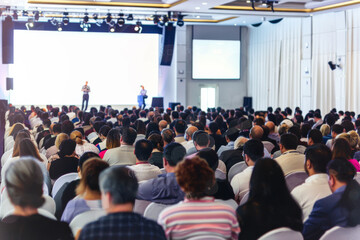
(51, 67)
(215, 59)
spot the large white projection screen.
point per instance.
(216, 59)
(51, 67)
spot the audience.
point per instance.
(314, 137)
(341, 208)
(341, 149)
(82, 145)
(112, 141)
(179, 128)
(143, 169)
(270, 204)
(156, 157)
(230, 136)
(199, 215)
(88, 191)
(118, 187)
(24, 182)
(316, 185)
(189, 141)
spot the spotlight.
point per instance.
(180, 20)
(15, 15)
(66, 19)
(121, 21)
(86, 18)
(130, 17)
(156, 19)
(112, 29)
(59, 27)
(108, 18)
(30, 23)
(137, 26)
(36, 15)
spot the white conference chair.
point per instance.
(49, 204)
(295, 179)
(84, 218)
(244, 197)
(61, 181)
(235, 169)
(357, 177)
(283, 233)
(337, 233)
(153, 210)
(140, 206)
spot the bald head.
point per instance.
(271, 126)
(189, 132)
(256, 132)
(162, 124)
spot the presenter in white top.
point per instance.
(143, 93)
(85, 89)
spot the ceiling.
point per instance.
(222, 12)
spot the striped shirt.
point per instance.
(199, 218)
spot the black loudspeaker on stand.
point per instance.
(168, 45)
(247, 102)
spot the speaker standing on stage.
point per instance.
(86, 90)
(143, 93)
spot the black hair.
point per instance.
(180, 126)
(211, 158)
(214, 127)
(337, 128)
(289, 141)
(305, 128)
(86, 156)
(143, 149)
(319, 156)
(128, 135)
(348, 125)
(57, 128)
(168, 135)
(67, 147)
(151, 127)
(315, 135)
(104, 130)
(174, 153)
(97, 125)
(67, 127)
(254, 148)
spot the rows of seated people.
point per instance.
(179, 174)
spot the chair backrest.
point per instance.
(140, 206)
(357, 177)
(41, 212)
(268, 145)
(235, 169)
(84, 218)
(220, 175)
(294, 179)
(282, 234)
(49, 204)
(336, 233)
(244, 198)
(61, 181)
(230, 202)
(153, 210)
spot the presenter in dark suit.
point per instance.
(85, 89)
(341, 208)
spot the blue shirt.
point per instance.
(229, 146)
(163, 189)
(124, 226)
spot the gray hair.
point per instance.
(24, 181)
(121, 183)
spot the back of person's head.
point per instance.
(28, 148)
(23, 134)
(254, 148)
(315, 135)
(143, 149)
(67, 127)
(113, 139)
(76, 136)
(195, 177)
(56, 128)
(319, 156)
(341, 149)
(289, 141)
(232, 134)
(337, 128)
(305, 128)
(180, 126)
(168, 135)
(325, 130)
(156, 141)
(344, 172)
(354, 139)
(174, 153)
(67, 148)
(86, 156)
(128, 135)
(210, 157)
(256, 132)
(214, 127)
(348, 125)
(151, 127)
(24, 182)
(15, 129)
(295, 130)
(59, 138)
(201, 138)
(104, 130)
(140, 127)
(91, 170)
(120, 183)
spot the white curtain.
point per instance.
(274, 61)
(352, 80)
(324, 50)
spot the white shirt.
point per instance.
(85, 147)
(145, 171)
(314, 188)
(123, 155)
(241, 181)
(6, 156)
(291, 161)
(188, 145)
(102, 145)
